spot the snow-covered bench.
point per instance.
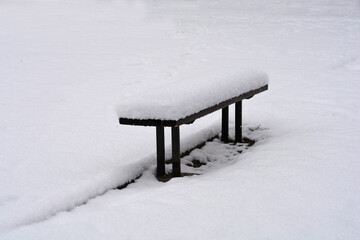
(182, 102)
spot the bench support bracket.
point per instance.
(238, 121)
(225, 124)
(175, 144)
(160, 151)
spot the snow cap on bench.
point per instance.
(190, 94)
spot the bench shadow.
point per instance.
(210, 155)
(196, 158)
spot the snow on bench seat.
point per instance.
(190, 95)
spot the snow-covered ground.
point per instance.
(66, 65)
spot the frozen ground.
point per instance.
(65, 65)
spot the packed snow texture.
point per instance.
(66, 65)
(191, 92)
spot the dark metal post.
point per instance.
(225, 124)
(238, 121)
(175, 142)
(160, 151)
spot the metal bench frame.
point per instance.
(175, 129)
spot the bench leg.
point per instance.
(175, 141)
(160, 151)
(225, 124)
(238, 121)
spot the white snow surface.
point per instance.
(190, 93)
(65, 66)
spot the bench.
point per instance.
(183, 102)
